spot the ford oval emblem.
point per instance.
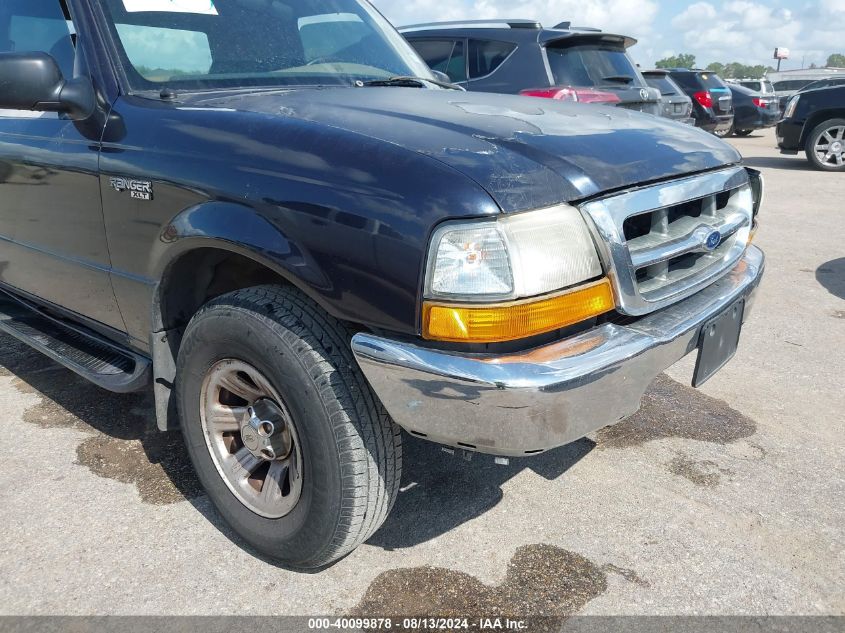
(714, 238)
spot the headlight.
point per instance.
(514, 277)
(790, 107)
(516, 256)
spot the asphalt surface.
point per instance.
(726, 500)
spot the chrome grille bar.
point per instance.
(664, 242)
(647, 250)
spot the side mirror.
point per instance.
(441, 76)
(33, 81)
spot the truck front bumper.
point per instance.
(788, 135)
(529, 402)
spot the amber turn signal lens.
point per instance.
(467, 323)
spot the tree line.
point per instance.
(735, 70)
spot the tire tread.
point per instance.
(368, 442)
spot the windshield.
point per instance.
(201, 44)
(824, 83)
(662, 83)
(592, 65)
(792, 84)
(711, 81)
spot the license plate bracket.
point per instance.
(717, 342)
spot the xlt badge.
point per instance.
(138, 189)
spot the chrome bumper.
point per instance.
(525, 403)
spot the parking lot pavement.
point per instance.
(723, 500)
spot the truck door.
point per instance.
(52, 235)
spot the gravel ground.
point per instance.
(726, 500)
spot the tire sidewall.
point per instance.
(223, 332)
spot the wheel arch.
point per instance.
(204, 252)
(195, 241)
(818, 117)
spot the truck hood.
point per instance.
(525, 152)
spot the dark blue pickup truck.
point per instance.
(276, 217)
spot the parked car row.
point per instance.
(521, 56)
(582, 64)
(587, 65)
(676, 103)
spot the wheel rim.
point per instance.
(252, 438)
(830, 146)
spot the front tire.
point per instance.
(825, 147)
(270, 395)
(742, 132)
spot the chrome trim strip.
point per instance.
(670, 293)
(522, 403)
(492, 23)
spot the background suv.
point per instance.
(814, 122)
(676, 104)
(757, 85)
(786, 88)
(513, 56)
(824, 83)
(712, 104)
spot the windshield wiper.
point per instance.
(408, 81)
(622, 79)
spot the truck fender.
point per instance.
(223, 226)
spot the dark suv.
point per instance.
(712, 104)
(824, 83)
(814, 122)
(517, 55)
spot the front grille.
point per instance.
(665, 242)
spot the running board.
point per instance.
(91, 356)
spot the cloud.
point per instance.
(748, 32)
(631, 17)
(410, 11)
(745, 31)
(826, 24)
(738, 30)
(694, 16)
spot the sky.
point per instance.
(744, 31)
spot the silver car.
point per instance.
(675, 104)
